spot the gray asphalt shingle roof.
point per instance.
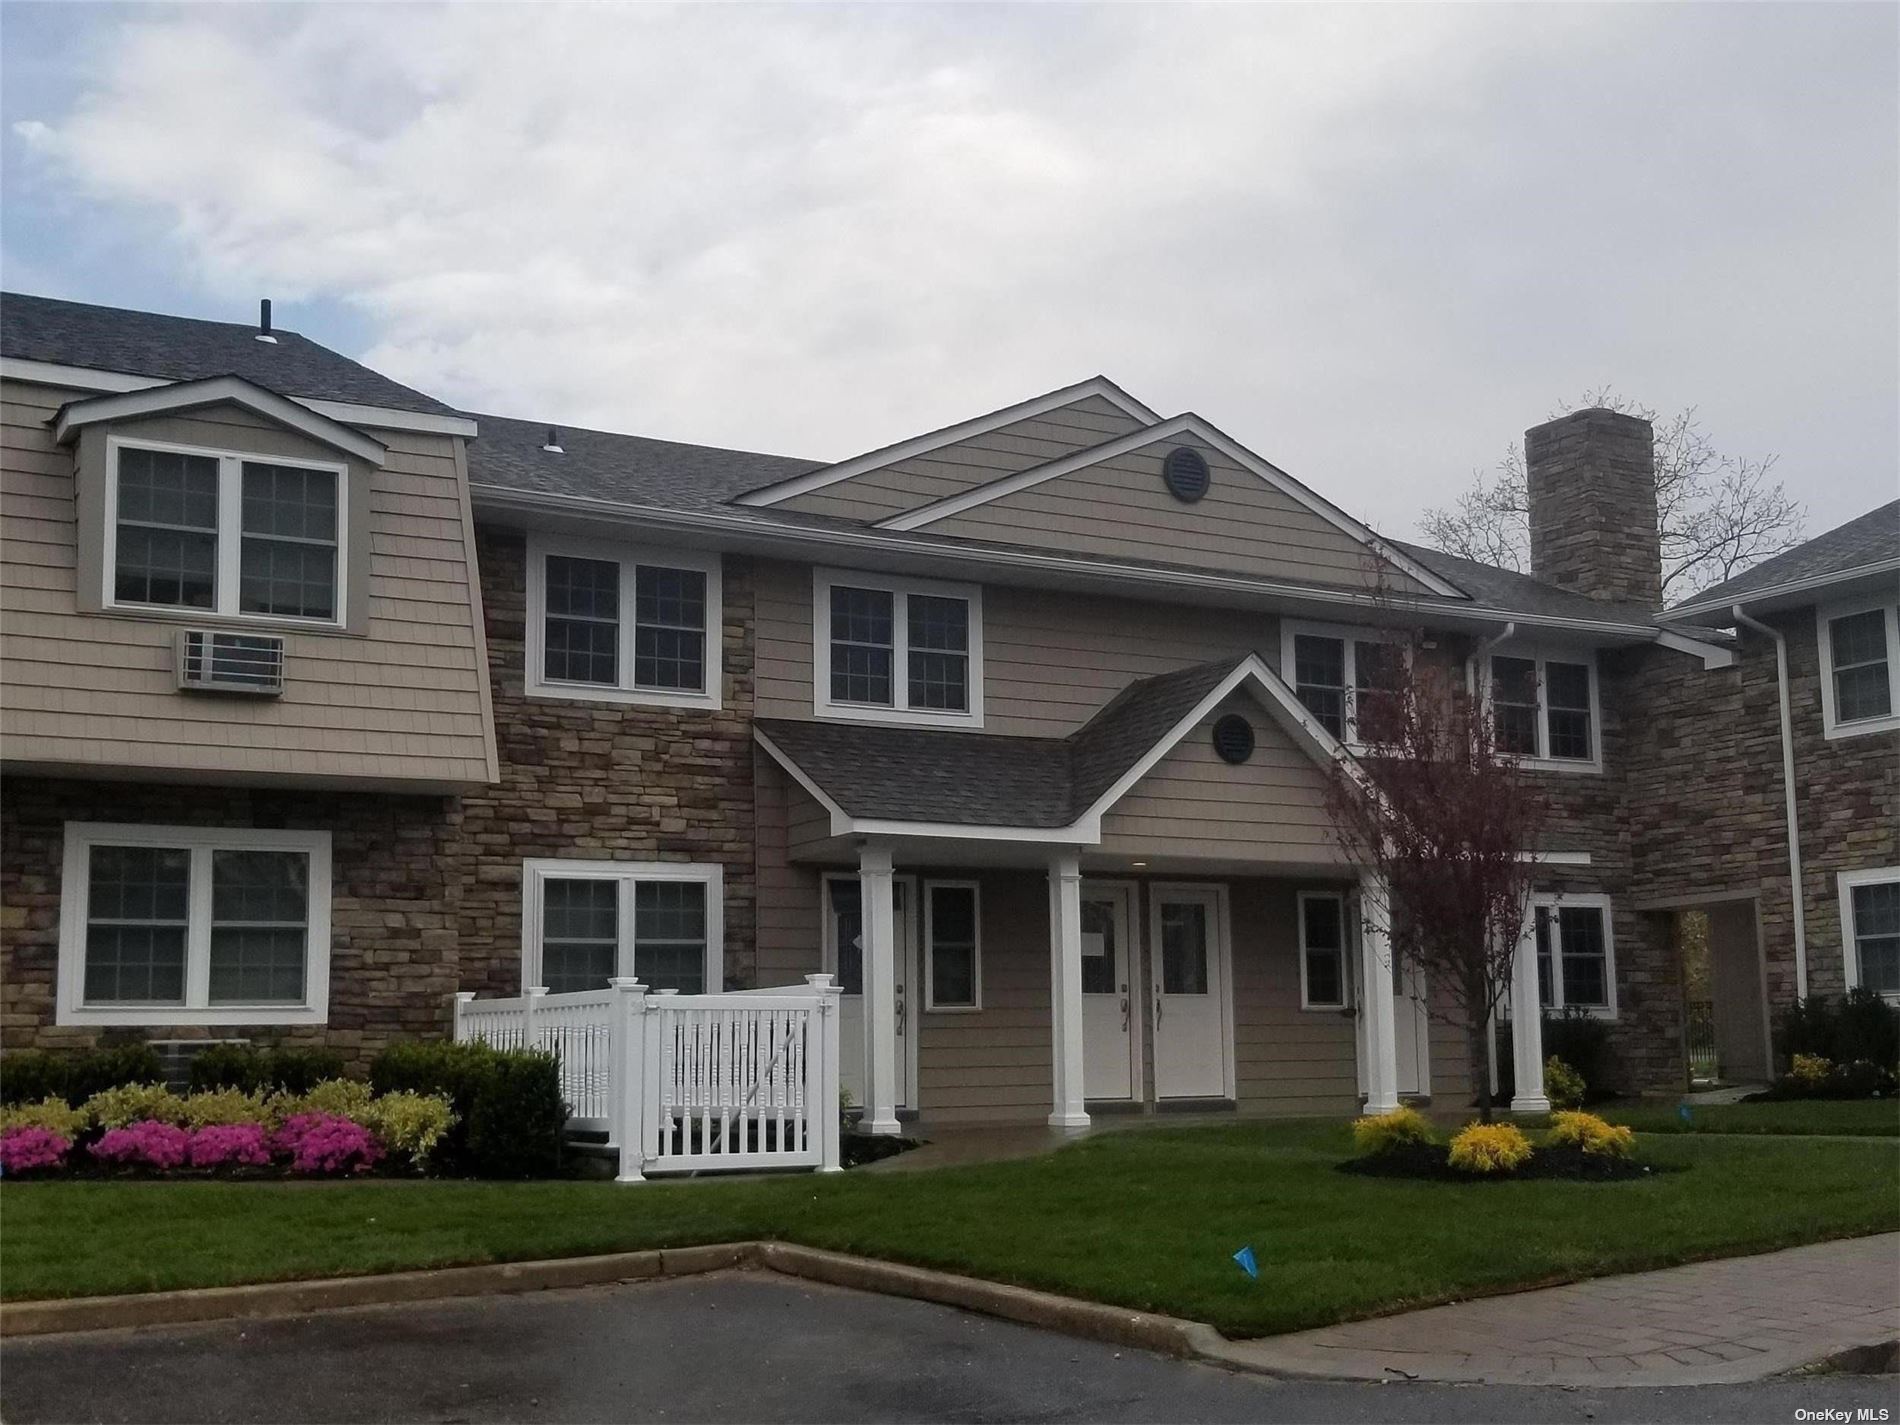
(187, 349)
(1520, 593)
(983, 779)
(1869, 539)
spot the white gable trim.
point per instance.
(217, 391)
(1712, 653)
(922, 445)
(1182, 425)
(840, 818)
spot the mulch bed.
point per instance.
(1429, 1162)
(857, 1149)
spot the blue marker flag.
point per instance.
(1247, 1264)
(1682, 1112)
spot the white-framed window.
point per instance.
(1322, 950)
(197, 530)
(1870, 929)
(896, 650)
(585, 922)
(172, 925)
(1545, 710)
(1860, 667)
(953, 951)
(614, 623)
(1343, 676)
(1576, 953)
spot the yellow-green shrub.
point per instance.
(55, 1115)
(409, 1124)
(223, 1107)
(1563, 1085)
(347, 1098)
(1383, 1132)
(1592, 1134)
(133, 1103)
(1489, 1148)
(1810, 1069)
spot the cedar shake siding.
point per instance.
(397, 700)
(601, 781)
(393, 941)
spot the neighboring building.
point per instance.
(1019, 727)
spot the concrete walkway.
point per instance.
(1734, 1320)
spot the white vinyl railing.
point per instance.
(686, 1083)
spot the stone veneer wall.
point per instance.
(1591, 478)
(601, 781)
(393, 945)
(1706, 797)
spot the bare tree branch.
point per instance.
(1717, 514)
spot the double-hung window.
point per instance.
(1870, 929)
(1346, 678)
(233, 535)
(585, 922)
(614, 624)
(1322, 950)
(1860, 667)
(953, 960)
(1576, 957)
(1544, 709)
(165, 925)
(897, 650)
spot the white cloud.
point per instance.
(1375, 243)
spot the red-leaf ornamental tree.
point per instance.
(1450, 823)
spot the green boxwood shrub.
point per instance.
(31, 1075)
(1860, 1029)
(509, 1113)
(250, 1068)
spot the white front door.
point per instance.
(1109, 1065)
(844, 957)
(1187, 952)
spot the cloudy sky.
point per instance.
(1373, 244)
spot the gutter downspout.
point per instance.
(1478, 651)
(1787, 777)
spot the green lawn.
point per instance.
(1874, 1118)
(1143, 1219)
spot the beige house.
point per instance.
(324, 702)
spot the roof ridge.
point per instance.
(277, 331)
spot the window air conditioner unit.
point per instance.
(214, 662)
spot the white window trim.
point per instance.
(1831, 725)
(630, 558)
(1543, 655)
(822, 583)
(200, 841)
(1551, 901)
(1850, 941)
(930, 948)
(537, 873)
(1349, 635)
(1345, 983)
(230, 536)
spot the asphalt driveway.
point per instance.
(748, 1347)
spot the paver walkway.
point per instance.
(1713, 1322)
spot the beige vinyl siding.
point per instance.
(1271, 808)
(401, 703)
(1051, 660)
(950, 470)
(1450, 1059)
(1286, 1059)
(790, 931)
(1120, 508)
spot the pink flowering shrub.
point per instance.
(26, 1149)
(146, 1144)
(230, 1145)
(327, 1143)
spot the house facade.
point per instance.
(322, 701)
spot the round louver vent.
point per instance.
(1233, 739)
(1185, 471)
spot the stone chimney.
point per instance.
(1591, 477)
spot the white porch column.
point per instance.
(879, 932)
(1379, 1033)
(1065, 988)
(1527, 1025)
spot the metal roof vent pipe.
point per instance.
(552, 445)
(263, 322)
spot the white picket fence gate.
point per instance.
(685, 1083)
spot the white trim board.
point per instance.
(949, 435)
(86, 378)
(1726, 603)
(1180, 426)
(74, 416)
